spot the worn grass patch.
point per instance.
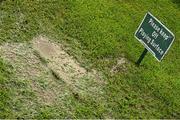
(65, 66)
(49, 75)
(99, 35)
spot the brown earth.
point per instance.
(50, 71)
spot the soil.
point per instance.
(50, 71)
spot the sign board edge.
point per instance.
(159, 60)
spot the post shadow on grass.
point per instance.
(176, 2)
(1, 1)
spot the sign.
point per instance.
(155, 37)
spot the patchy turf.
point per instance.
(49, 73)
(99, 35)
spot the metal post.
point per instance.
(141, 57)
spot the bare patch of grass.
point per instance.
(30, 68)
(120, 66)
(64, 66)
(50, 73)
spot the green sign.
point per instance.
(155, 37)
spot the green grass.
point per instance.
(105, 30)
(5, 104)
(99, 32)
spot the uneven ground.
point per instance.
(49, 73)
(75, 59)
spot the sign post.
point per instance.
(141, 57)
(156, 38)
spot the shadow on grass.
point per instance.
(1, 1)
(176, 2)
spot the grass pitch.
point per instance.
(99, 34)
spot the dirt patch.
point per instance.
(50, 71)
(65, 66)
(120, 66)
(29, 69)
(22, 58)
(58, 60)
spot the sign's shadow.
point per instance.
(1, 1)
(177, 2)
